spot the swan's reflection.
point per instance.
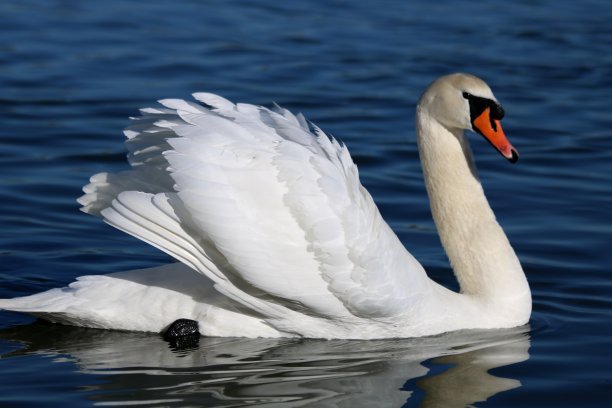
(233, 372)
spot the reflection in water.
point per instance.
(467, 380)
(142, 368)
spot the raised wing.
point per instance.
(271, 211)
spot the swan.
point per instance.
(276, 237)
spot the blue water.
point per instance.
(71, 73)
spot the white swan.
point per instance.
(253, 204)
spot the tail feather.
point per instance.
(144, 300)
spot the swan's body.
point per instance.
(273, 217)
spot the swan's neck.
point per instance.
(481, 256)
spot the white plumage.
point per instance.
(251, 201)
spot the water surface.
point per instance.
(71, 73)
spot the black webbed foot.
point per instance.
(183, 333)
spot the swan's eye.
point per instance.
(467, 95)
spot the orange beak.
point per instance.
(493, 132)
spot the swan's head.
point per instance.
(463, 101)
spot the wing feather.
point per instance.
(266, 205)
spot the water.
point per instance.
(72, 72)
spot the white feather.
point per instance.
(273, 216)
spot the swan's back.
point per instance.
(271, 211)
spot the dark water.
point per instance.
(71, 72)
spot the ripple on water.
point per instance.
(73, 73)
